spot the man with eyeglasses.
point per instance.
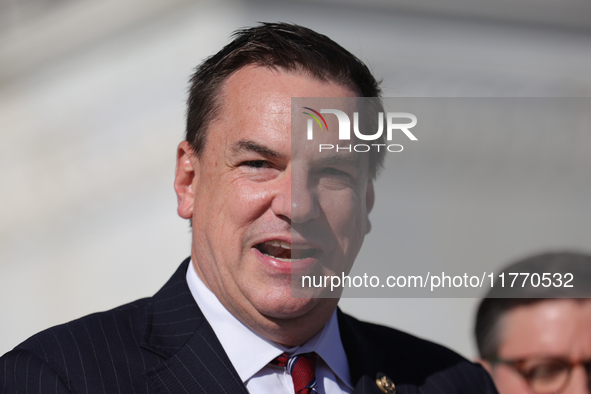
(538, 341)
(263, 207)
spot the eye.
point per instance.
(546, 371)
(332, 171)
(256, 164)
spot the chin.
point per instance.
(285, 307)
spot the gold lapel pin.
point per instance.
(385, 384)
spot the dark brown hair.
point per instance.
(500, 300)
(283, 46)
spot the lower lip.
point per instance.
(285, 267)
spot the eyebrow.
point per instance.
(251, 146)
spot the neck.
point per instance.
(297, 331)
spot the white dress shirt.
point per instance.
(250, 353)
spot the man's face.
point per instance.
(542, 332)
(245, 222)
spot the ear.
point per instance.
(187, 166)
(370, 199)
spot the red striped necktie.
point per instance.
(302, 369)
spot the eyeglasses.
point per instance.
(546, 375)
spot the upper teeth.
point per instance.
(286, 245)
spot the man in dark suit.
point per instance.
(536, 336)
(261, 208)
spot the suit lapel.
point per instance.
(367, 385)
(366, 360)
(194, 360)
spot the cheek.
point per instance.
(344, 212)
(509, 382)
(224, 207)
(246, 202)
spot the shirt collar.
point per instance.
(248, 351)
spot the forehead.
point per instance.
(255, 86)
(559, 327)
(256, 103)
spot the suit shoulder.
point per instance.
(85, 334)
(108, 351)
(398, 341)
(408, 360)
(25, 369)
(86, 352)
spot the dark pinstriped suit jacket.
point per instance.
(164, 344)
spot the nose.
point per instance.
(295, 198)
(304, 201)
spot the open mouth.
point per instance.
(284, 251)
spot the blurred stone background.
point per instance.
(92, 108)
